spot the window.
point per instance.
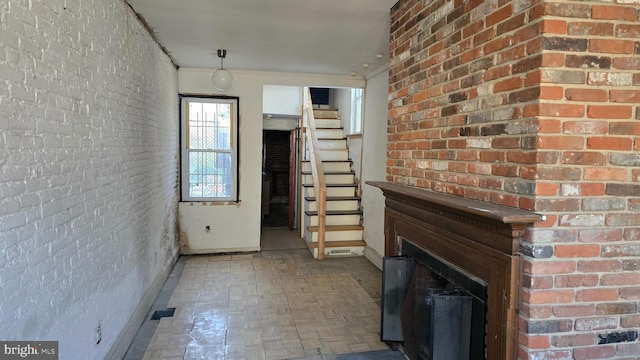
(209, 149)
(356, 111)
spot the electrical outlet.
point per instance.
(99, 334)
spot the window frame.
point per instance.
(185, 151)
(357, 108)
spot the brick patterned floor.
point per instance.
(270, 305)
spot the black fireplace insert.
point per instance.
(433, 308)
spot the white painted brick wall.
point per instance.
(88, 170)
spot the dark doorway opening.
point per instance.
(276, 180)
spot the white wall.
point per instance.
(280, 124)
(355, 154)
(236, 226)
(282, 100)
(374, 149)
(341, 99)
(88, 173)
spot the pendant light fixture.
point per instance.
(222, 78)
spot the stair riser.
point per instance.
(334, 220)
(334, 235)
(332, 155)
(329, 134)
(332, 191)
(340, 205)
(325, 144)
(331, 179)
(329, 166)
(328, 124)
(340, 251)
(325, 114)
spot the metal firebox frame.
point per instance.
(470, 284)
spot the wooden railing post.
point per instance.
(317, 172)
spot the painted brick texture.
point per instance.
(533, 105)
(88, 172)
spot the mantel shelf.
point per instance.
(490, 211)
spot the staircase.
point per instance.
(343, 229)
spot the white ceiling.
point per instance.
(308, 36)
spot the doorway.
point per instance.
(276, 180)
(279, 181)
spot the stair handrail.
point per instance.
(317, 172)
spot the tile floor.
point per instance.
(280, 238)
(279, 304)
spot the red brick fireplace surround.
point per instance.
(533, 105)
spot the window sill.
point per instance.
(211, 203)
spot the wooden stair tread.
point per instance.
(332, 185)
(335, 212)
(336, 228)
(333, 198)
(330, 244)
(330, 172)
(328, 161)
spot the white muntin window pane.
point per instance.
(209, 126)
(209, 159)
(209, 174)
(356, 111)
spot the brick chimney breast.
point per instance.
(534, 105)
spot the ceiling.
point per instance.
(306, 36)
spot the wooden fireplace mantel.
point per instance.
(478, 237)
(471, 218)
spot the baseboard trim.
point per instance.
(251, 249)
(373, 256)
(121, 345)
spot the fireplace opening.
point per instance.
(435, 309)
